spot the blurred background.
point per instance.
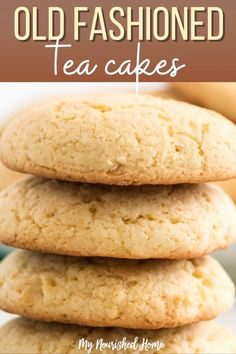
(14, 96)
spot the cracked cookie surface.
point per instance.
(101, 292)
(181, 221)
(121, 139)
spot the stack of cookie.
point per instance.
(122, 254)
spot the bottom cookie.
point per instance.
(25, 336)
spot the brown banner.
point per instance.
(153, 51)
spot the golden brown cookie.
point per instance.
(101, 292)
(181, 221)
(121, 139)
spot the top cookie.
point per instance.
(219, 96)
(121, 139)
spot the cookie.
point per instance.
(121, 139)
(229, 187)
(101, 292)
(218, 96)
(25, 336)
(181, 221)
